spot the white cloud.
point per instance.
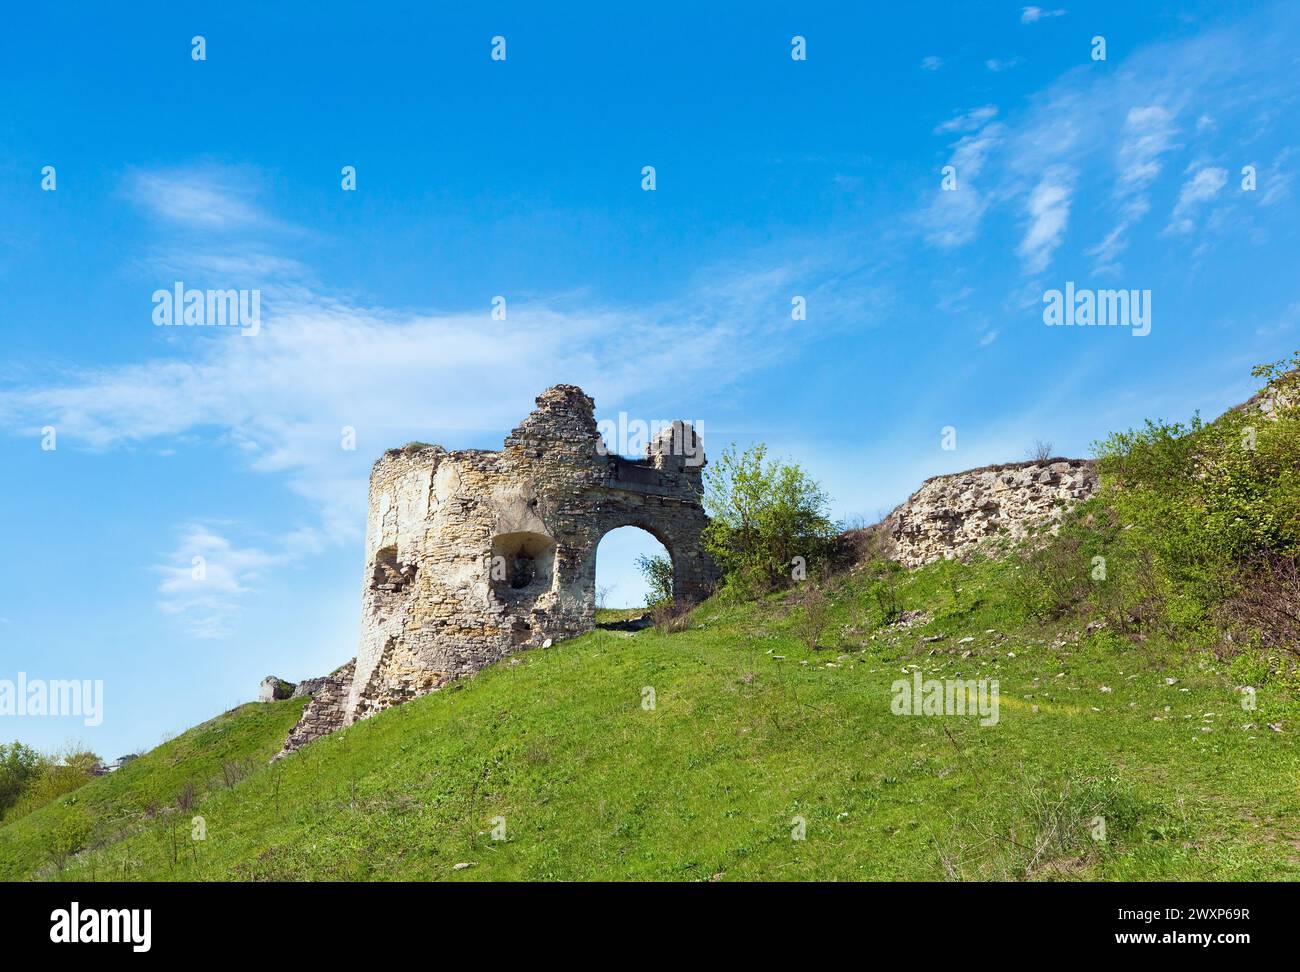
(1204, 184)
(1149, 133)
(1118, 130)
(997, 65)
(208, 198)
(1275, 183)
(205, 577)
(1032, 15)
(968, 121)
(953, 217)
(1048, 208)
(931, 63)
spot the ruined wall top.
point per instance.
(954, 514)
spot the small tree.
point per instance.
(763, 514)
(1040, 451)
(19, 766)
(658, 573)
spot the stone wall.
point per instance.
(326, 710)
(472, 555)
(950, 516)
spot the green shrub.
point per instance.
(19, 765)
(658, 572)
(68, 836)
(764, 514)
(54, 776)
(1209, 498)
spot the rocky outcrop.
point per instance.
(952, 516)
(273, 689)
(325, 712)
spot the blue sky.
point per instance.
(775, 178)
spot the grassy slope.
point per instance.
(235, 742)
(592, 785)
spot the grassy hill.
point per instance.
(750, 729)
(146, 792)
(1149, 694)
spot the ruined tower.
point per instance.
(472, 555)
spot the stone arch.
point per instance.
(678, 529)
(657, 535)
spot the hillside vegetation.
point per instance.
(750, 729)
(1148, 712)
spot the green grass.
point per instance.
(614, 615)
(144, 791)
(749, 731)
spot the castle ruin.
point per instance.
(472, 555)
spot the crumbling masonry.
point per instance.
(473, 555)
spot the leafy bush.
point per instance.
(19, 765)
(1212, 496)
(658, 572)
(764, 513)
(1265, 609)
(68, 836)
(47, 779)
(1197, 527)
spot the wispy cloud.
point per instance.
(1048, 209)
(1032, 15)
(1276, 181)
(968, 121)
(1203, 184)
(205, 578)
(953, 217)
(1101, 142)
(998, 65)
(931, 63)
(208, 198)
(1149, 133)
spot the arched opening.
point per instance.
(522, 565)
(633, 571)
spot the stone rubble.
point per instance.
(952, 516)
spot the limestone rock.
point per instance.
(951, 516)
(324, 713)
(273, 689)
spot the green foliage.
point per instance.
(34, 779)
(117, 802)
(1188, 518)
(19, 765)
(658, 573)
(68, 836)
(758, 729)
(763, 514)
